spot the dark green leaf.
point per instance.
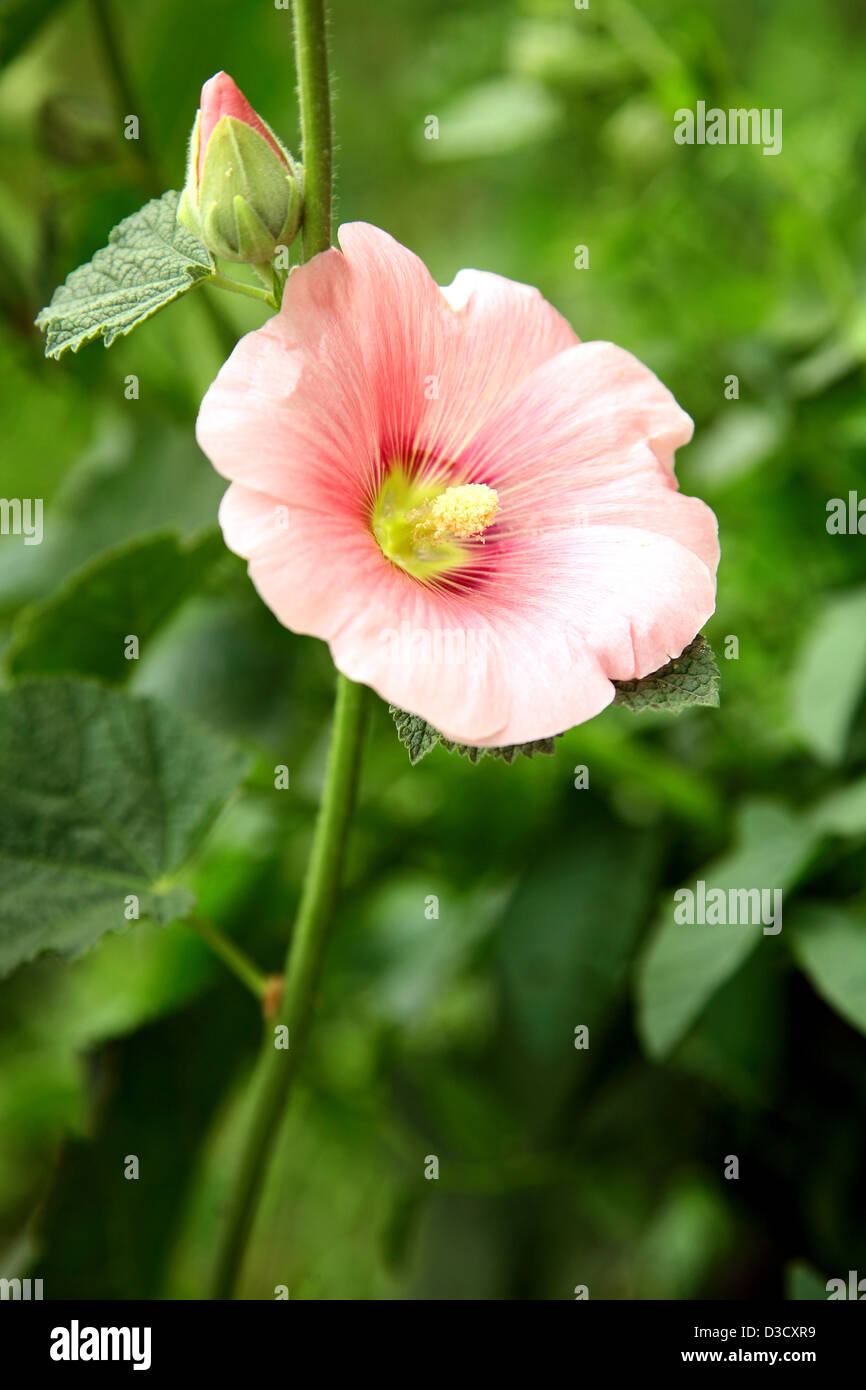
(20, 21)
(101, 797)
(129, 590)
(419, 737)
(416, 735)
(691, 679)
(508, 753)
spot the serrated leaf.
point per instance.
(130, 589)
(416, 735)
(149, 261)
(507, 753)
(690, 679)
(419, 738)
(101, 796)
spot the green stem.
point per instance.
(311, 60)
(225, 282)
(278, 1065)
(231, 955)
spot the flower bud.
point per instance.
(243, 192)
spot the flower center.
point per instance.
(422, 527)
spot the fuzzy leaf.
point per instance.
(691, 679)
(508, 752)
(416, 735)
(149, 260)
(101, 797)
(130, 589)
(419, 738)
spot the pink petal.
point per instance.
(221, 96)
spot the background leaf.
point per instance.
(828, 679)
(830, 946)
(683, 966)
(129, 590)
(103, 796)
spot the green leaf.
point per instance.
(149, 260)
(508, 753)
(828, 678)
(843, 812)
(742, 1050)
(683, 966)
(691, 679)
(132, 483)
(101, 797)
(128, 590)
(419, 738)
(416, 735)
(21, 21)
(803, 1283)
(494, 117)
(567, 936)
(830, 947)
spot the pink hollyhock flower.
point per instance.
(476, 511)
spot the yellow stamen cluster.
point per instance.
(458, 513)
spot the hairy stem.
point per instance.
(278, 1063)
(311, 59)
(225, 282)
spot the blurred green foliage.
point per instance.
(454, 1036)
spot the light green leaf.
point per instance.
(843, 812)
(829, 944)
(101, 797)
(828, 678)
(128, 590)
(494, 117)
(149, 260)
(691, 679)
(683, 966)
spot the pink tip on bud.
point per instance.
(221, 96)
